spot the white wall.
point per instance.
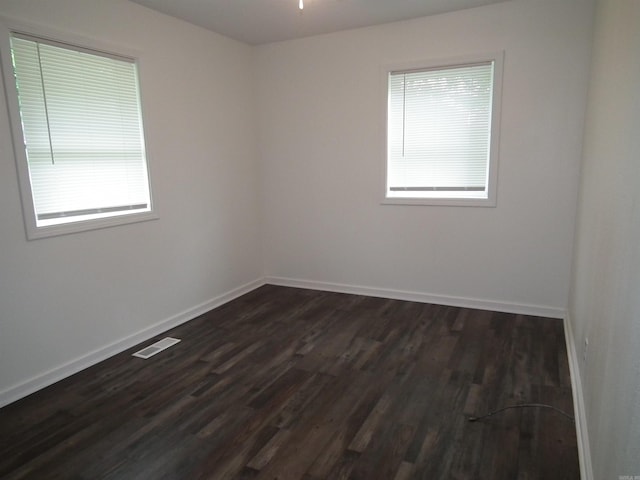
(605, 300)
(321, 145)
(67, 297)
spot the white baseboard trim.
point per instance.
(39, 382)
(523, 309)
(584, 452)
(56, 374)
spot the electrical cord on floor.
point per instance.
(522, 405)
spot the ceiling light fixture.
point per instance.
(301, 4)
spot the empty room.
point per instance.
(320, 239)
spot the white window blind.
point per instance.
(82, 129)
(439, 132)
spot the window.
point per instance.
(442, 133)
(78, 137)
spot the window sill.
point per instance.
(442, 202)
(34, 233)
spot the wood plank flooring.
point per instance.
(287, 383)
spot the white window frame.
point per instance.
(9, 26)
(492, 177)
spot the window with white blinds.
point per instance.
(82, 132)
(439, 135)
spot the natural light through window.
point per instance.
(441, 134)
(82, 133)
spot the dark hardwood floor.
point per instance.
(287, 383)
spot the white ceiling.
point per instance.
(264, 21)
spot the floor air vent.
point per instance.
(157, 347)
